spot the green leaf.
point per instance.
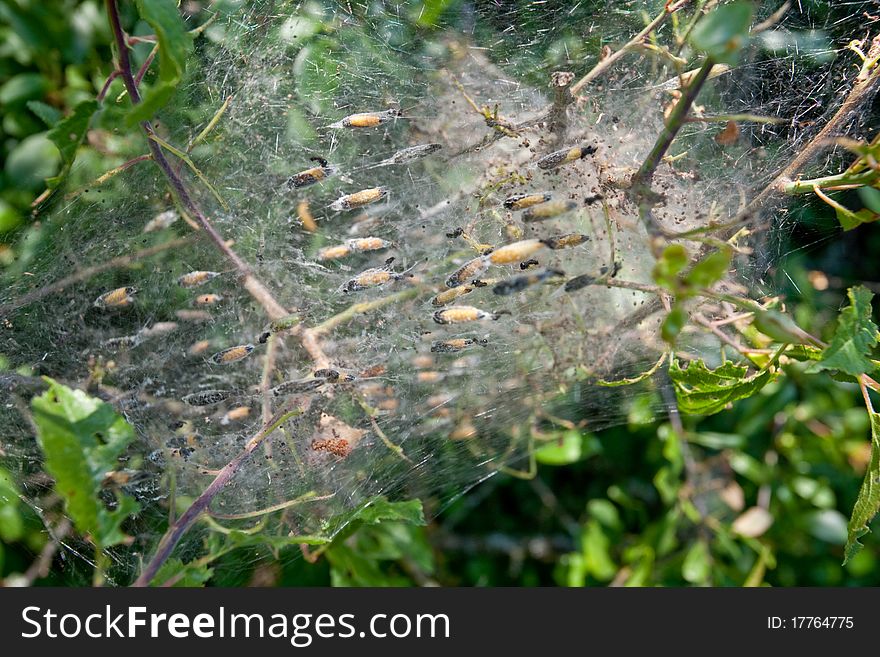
(33, 160)
(709, 270)
(779, 327)
(670, 263)
(854, 338)
(870, 197)
(428, 13)
(722, 33)
(49, 115)
(849, 219)
(67, 135)
(701, 391)
(674, 322)
(23, 87)
(192, 574)
(11, 522)
(81, 438)
(696, 566)
(175, 45)
(868, 502)
(372, 512)
(572, 446)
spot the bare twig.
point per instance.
(201, 503)
(609, 61)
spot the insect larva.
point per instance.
(548, 210)
(515, 252)
(410, 154)
(373, 277)
(118, 298)
(523, 201)
(312, 175)
(192, 315)
(236, 415)
(207, 299)
(232, 354)
(462, 314)
(565, 241)
(207, 397)
(456, 344)
(519, 283)
(161, 221)
(566, 155)
(448, 296)
(335, 376)
(306, 218)
(359, 199)
(296, 386)
(196, 278)
(469, 270)
(356, 245)
(366, 119)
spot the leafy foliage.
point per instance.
(703, 391)
(174, 47)
(868, 503)
(82, 438)
(854, 338)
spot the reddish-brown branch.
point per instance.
(250, 282)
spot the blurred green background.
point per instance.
(630, 505)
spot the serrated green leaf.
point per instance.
(175, 45)
(849, 219)
(48, 114)
(190, 575)
(372, 512)
(854, 338)
(67, 135)
(709, 270)
(702, 391)
(670, 263)
(868, 502)
(674, 322)
(722, 33)
(82, 438)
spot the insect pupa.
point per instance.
(515, 252)
(565, 155)
(547, 210)
(523, 201)
(462, 314)
(196, 278)
(118, 298)
(366, 119)
(313, 175)
(232, 354)
(359, 199)
(521, 282)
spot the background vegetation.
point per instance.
(637, 504)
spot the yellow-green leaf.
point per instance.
(82, 438)
(703, 391)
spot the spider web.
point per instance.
(414, 423)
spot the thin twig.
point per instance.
(200, 505)
(251, 283)
(609, 61)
